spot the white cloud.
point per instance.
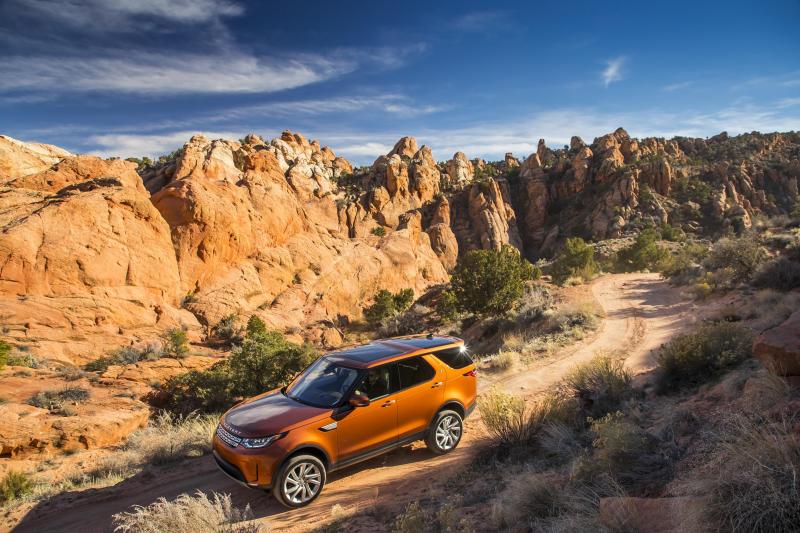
(156, 73)
(483, 21)
(613, 71)
(132, 145)
(109, 15)
(788, 102)
(678, 86)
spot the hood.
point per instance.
(269, 414)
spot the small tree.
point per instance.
(644, 253)
(447, 306)
(738, 257)
(489, 282)
(176, 343)
(576, 259)
(387, 305)
(255, 326)
(228, 329)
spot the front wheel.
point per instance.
(445, 432)
(299, 481)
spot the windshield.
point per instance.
(323, 384)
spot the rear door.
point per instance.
(461, 384)
(365, 429)
(421, 387)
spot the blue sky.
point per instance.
(124, 77)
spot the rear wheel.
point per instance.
(445, 432)
(299, 481)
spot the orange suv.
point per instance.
(346, 407)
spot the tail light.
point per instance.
(472, 373)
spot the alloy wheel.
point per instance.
(448, 431)
(302, 483)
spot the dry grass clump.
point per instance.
(513, 422)
(757, 482)
(418, 519)
(601, 385)
(767, 308)
(171, 438)
(691, 359)
(14, 485)
(56, 401)
(503, 360)
(188, 514)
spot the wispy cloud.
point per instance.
(482, 21)
(788, 102)
(677, 86)
(613, 71)
(131, 145)
(113, 15)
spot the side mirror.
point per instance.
(359, 400)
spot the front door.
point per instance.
(365, 429)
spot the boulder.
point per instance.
(778, 348)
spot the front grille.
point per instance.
(228, 438)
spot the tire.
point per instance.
(304, 471)
(445, 432)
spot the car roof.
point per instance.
(385, 350)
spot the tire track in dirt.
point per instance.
(641, 313)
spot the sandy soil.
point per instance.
(642, 312)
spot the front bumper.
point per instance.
(251, 468)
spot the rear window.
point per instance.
(454, 357)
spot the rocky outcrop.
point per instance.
(19, 158)
(779, 348)
(460, 169)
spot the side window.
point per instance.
(414, 371)
(454, 358)
(377, 382)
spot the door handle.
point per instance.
(387, 404)
(437, 384)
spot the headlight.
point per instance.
(260, 442)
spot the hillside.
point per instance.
(95, 255)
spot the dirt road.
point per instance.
(642, 312)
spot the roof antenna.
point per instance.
(429, 336)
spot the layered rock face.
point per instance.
(94, 255)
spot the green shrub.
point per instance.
(387, 305)
(513, 422)
(684, 265)
(5, 350)
(255, 326)
(228, 330)
(737, 257)
(601, 385)
(693, 358)
(575, 260)
(55, 400)
(489, 282)
(447, 306)
(644, 254)
(176, 343)
(264, 361)
(15, 485)
(378, 231)
(127, 355)
(672, 233)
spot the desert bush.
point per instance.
(20, 358)
(413, 519)
(535, 302)
(738, 258)
(767, 308)
(490, 282)
(601, 385)
(504, 360)
(228, 330)
(264, 361)
(14, 485)
(753, 475)
(386, 305)
(575, 260)
(684, 266)
(255, 326)
(176, 343)
(447, 306)
(54, 400)
(528, 496)
(187, 514)
(511, 421)
(127, 355)
(781, 274)
(672, 233)
(582, 315)
(169, 438)
(643, 254)
(693, 358)
(5, 350)
(378, 231)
